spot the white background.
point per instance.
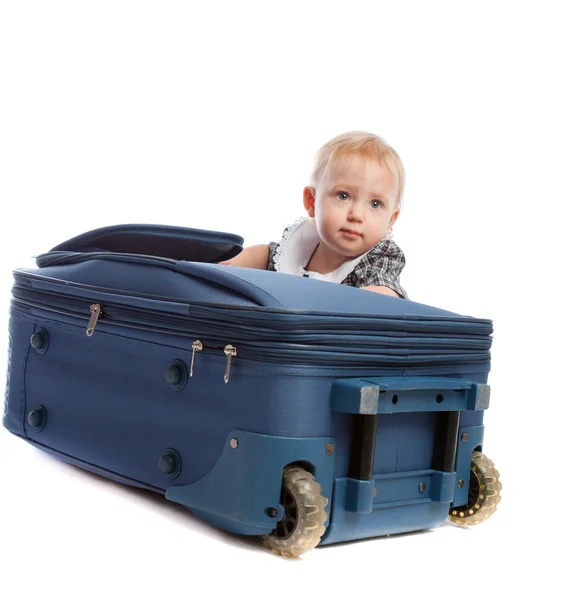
(208, 115)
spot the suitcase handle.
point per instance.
(368, 398)
(166, 241)
(386, 395)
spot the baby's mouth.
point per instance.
(351, 232)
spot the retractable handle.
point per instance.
(366, 398)
(386, 395)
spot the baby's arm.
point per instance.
(381, 289)
(253, 257)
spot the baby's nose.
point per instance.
(355, 212)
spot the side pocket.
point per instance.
(19, 334)
(6, 391)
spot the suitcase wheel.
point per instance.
(483, 494)
(303, 526)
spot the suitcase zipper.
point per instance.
(95, 311)
(284, 352)
(197, 346)
(230, 351)
(364, 339)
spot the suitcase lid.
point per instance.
(80, 269)
(168, 241)
(271, 317)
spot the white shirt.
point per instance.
(296, 248)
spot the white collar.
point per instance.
(296, 248)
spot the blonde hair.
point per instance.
(360, 143)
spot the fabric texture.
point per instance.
(381, 265)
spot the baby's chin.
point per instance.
(348, 253)
(354, 248)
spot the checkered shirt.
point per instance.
(382, 265)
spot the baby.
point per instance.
(353, 202)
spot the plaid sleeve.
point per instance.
(381, 266)
(272, 246)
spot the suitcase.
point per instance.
(267, 404)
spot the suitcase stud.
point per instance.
(170, 463)
(37, 418)
(40, 341)
(177, 375)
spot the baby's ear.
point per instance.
(309, 200)
(394, 217)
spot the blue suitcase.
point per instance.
(267, 404)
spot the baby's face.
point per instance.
(355, 205)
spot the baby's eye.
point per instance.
(343, 196)
(375, 203)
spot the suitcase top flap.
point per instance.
(136, 280)
(153, 263)
(167, 241)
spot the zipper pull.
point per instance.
(95, 311)
(229, 351)
(197, 346)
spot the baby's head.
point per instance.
(356, 192)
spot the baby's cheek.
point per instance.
(328, 227)
(326, 232)
(322, 230)
(334, 218)
(375, 232)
